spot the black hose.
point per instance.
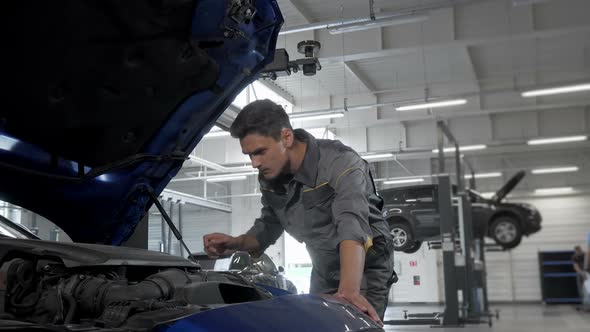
(71, 307)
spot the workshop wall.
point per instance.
(196, 222)
(418, 277)
(514, 275)
(46, 229)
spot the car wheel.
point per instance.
(402, 236)
(506, 232)
(413, 248)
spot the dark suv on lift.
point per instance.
(412, 214)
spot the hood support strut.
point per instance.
(166, 217)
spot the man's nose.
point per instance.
(255, 162)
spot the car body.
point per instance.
(103, 103)
(261, 270)
(412, 214)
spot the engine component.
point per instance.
(242, 11)
(44, 293)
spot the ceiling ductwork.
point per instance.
(376, 20)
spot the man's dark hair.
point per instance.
(262, 117)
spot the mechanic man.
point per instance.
(322, 193)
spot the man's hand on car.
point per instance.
(359, 301)
(218, 244)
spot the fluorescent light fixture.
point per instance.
(436, 104)
(227, 178)
(216, 132)
(404, 181)
(557, 90)
(377, 156)
(549, 191)
(556, 170)
(463, 148)
(308, 116)
(489, 194)
(376, 23)
(206, 163)
(485, 175)
(526, 2)
(556, 140)
(215, 128)
(223, 176)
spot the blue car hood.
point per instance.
(104, 100)
(284, 313)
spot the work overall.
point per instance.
(331, 198)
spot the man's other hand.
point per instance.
(218, 244)
(359, 301)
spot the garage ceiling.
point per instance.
(485, 51)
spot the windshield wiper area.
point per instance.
(175, 230)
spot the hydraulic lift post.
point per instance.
(463, 273)
(447, 230)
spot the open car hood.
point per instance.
(508, 187)
(104, 100)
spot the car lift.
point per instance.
(463, 270)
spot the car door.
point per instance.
(422, 207)
(393, 202)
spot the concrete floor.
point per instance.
(513, 318)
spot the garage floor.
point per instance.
(513, 318)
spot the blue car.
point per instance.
(102, 103)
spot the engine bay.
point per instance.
(42, 291)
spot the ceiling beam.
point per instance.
(349, 67)
(299, 9)
(381, 53)
(354, 70)
(448, 114)
(496, 148)
(274, 87)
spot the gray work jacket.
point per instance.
(331, 198)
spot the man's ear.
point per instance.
(287, 137)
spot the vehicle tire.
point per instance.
(506, 232)
(403, 238)
(414, 248)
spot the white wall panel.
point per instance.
(196, 222)
(421, 133)
(561, 122)
(390, 137)
(423, 264)
(233, 152)
(356, 138)
(471, 130)
(351, 43)
(514, 276)
(553, 14)
(514, 126)
(213, 149)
